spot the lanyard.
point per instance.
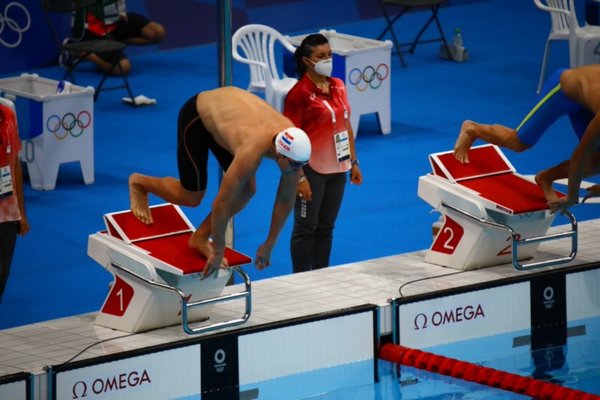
(333, 118)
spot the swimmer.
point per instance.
(574, 92)
(240, 129)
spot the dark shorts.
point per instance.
(124, 30)
(130, 28)
(550, 105)
(193, 144)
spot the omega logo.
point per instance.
(446, 317)
(99, 386)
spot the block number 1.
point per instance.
(119, 298)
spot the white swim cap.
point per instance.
(294, 144)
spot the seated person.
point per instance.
(110, 19)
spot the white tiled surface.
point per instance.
(32, 347)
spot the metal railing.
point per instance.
(516, 241)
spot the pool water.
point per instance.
(575, 365)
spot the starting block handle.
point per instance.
(516, 241)
(185, 304)
(553, 236)
(244, 294)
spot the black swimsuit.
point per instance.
(193, 143)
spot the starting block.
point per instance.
(492, 215)
(158, 277)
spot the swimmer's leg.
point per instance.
(499, 135)
(167, 188)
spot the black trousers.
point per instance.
(314, 220)
(8, 238)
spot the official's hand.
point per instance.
(355, 175)
(304, 191)
(23, 226)
(263, 256)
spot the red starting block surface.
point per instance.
(492, 177)
(166, 239)
(174, 250)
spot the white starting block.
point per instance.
(492, 215)
(157, 276)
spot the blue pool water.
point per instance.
(575, 365)
(580, 370)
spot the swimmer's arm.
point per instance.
(284, 203)
(229, 200)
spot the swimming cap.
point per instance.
(294, 144)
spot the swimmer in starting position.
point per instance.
(573, 92)
(240, 129)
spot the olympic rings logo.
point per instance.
(69, 124)
(8, 20)
(369, 77)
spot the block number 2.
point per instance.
(449, 237)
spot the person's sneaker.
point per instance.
(65, 59)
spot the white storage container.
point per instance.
(55, 127)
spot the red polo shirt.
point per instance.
(10, 145)
(320, 115)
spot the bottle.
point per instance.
(459, 48)
(458, 41)
(63, 87)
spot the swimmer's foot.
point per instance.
(203, 246)
(592, 191)
(546, 185)
(138, 200)
(464, 142)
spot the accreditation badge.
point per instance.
(6, 182)
(342, 146)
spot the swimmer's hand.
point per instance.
(263, 256)
(213, 264)
(592, 191)
(562, 204)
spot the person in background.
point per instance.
(318, 104)
(13, 219)
(574, 92)
(109, 18)
(240, 129)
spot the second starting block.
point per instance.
(157, 276)
(492, 215)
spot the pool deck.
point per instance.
(31, 348)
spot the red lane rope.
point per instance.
(483, 375)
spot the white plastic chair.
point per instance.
(257, 43)
(565, 26)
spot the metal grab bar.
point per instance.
(516, 242)
(185, 304)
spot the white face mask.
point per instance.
(324, 67)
